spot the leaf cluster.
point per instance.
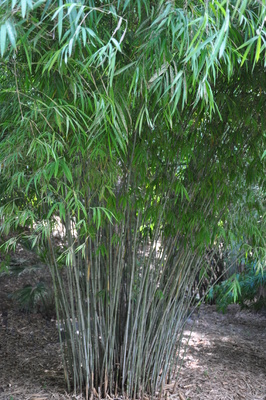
(246, 289)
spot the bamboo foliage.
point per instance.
(133, 124)
(117, 316)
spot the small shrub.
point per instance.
(248, 289)
(35, 298)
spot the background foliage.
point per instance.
(247, 288)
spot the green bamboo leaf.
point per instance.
(125, 4)
(3, 39)
(139, 120)
(176, 82)
(71, 8)
(56, 168)
(84, 35)
(30, 4)
(122, 116)
(60, 19)
(257, 56)
(220, 5)
(62, 211)
(70, 45)
(199, 31)
(123, 69)
(52, 60)
(92, 33)
(23, 7)
(223, 45)
(236, 8)
(52, 209)
(28, 54)
(244, 57)
(38, 4)
(117, 45)
(11, 31)
(61, 7)
(67, 171)
(243, 7)
(58, 118)
(221, 37)
(184, 192)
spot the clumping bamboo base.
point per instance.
(224, 355)
(123, 311)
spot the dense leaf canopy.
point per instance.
(90, 76)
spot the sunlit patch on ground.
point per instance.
(224, 356)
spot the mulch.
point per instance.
(224, 356)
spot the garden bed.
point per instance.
(224, 357)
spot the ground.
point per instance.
(224, 356)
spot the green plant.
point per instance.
(248, 289)
(17, 266)
(36, 297)
(4, 264)
(134, 124)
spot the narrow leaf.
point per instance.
(23, 8)
(11, 33)
(3, 39)
(258, 49)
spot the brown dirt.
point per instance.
(224, 356)
(30, 367)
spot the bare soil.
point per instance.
(224, 356)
